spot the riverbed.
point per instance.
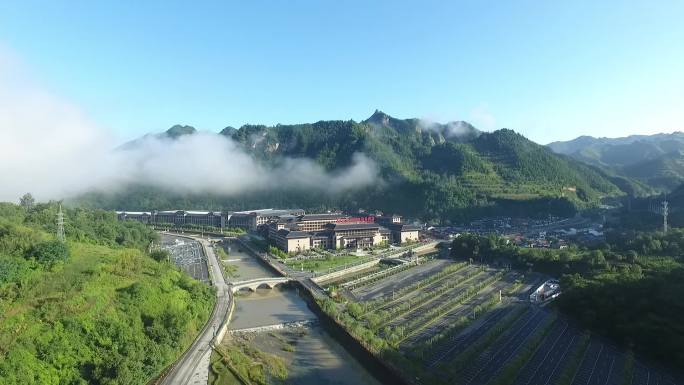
(315, 356)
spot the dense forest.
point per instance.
(628, 289)
(95, 309)
(441, 172)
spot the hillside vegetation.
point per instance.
(655, 160)
(96, 310)
(433, 171)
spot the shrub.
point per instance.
(50, 253)
(160, 255)
(13, 269)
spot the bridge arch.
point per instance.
(254, 284)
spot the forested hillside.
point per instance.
(433, 171)
(656, 160)
(94, 310)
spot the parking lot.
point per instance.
(469, 324)
(387, 286)
(187, 255)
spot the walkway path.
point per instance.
(193, 366)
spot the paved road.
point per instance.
(193, 367)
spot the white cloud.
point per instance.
(209, 162)
(51, 149)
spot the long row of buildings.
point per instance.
(292, 230)
(248, 220)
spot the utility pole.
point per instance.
(60, 225)
(666, 211)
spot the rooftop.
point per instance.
(271, 212)
(353, 226)
(321, 217)
(134, 212)
(288, 234)
(402, 227)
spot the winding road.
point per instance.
(193, 366)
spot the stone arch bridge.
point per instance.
(253, 284)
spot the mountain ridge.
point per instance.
(442, 171)
(656, 160)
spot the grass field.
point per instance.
(328, 263)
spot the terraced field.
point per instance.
(468, 324)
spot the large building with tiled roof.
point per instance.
(291, 229)
(252, 219)
(337, 231)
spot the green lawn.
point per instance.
(330, 262)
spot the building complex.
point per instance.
(293, 230)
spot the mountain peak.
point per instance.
(379, 117)
(228, 131)
(180, 130)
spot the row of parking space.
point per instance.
(466, 309)
(490, 361)
(188, 256)
(449, 294)
(551, 341)
(548, 361)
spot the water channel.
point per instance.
(315, 357)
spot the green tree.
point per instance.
(160, 255)
(27, 201)
(50, 253)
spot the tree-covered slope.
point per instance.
(656, 160)
(468, 166)
(427, 170)
(96, 310)
(665, 172)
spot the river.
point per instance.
(314, 357)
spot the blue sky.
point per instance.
(548, 69)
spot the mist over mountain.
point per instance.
(420, 168)
(424, 169)
(443, 171)
(54, 151)
(656, 160)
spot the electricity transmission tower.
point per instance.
(60, 225)
(666, 211)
